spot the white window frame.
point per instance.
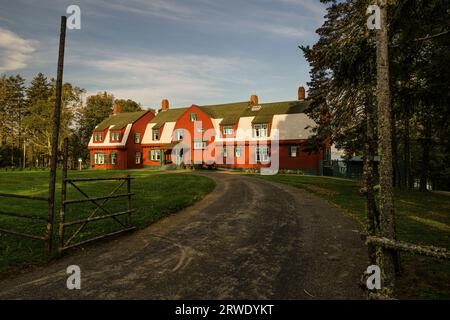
(100, 158)
(115, 136)
(238, 151)
(138, 157)
(227, 130)
(113, 160)
(293, 151)
(179, 134)
(262, 154)
(225, 151)
(199, 145)
(155, 134)
(193, 116)
(137, 137)
(98, 137)
(260, 130)
(155, 155)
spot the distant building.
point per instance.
(233, 135)
(116, 141)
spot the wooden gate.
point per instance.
(99, 213)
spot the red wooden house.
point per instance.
(234, 135)
(116, 141)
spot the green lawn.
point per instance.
(422, 218)
(157, 194)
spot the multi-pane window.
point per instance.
(113, 157)
(293, 151)
(193, 116)
(179, 134)
(225, 152)
(138, 157)
(262, 154)
(115, 135)
(237, 152)
(154, 155)
(199, 145)
(155, 134)
(260, 130)
(98, 137)
(227, 130)
(99, 158)
(137, 137)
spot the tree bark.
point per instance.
(369, 181)
(387, 217)
(407, 153)
(425, 165)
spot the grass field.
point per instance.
(157, 194)
(422, 218)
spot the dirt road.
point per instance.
(248, 239)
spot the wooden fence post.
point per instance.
(62, 213)
(55, 136)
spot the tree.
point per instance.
(387, 211)
(41, 103)
(128, 105)
(12, 109)
(98, 107)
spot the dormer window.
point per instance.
(193, 117)
(260, 130)
(115, 136)
(227, 130)
(155, 134)
(256, 108)
(98, 137)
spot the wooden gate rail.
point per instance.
(430, 251)
(65, 245)
(100, 205)
(45, 238)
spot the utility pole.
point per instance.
(387, 214)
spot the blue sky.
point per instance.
(190, 52)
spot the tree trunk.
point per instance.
(395, 161)
(426, 142)
(369, 181)
(387, 221)
(407, 153)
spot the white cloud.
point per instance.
(15, 51)
(182, 78)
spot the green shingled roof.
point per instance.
(170, 115)
(230, 113)
(120, 120)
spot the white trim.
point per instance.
(107, 142)
(164, 137)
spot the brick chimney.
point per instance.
(301, 93)
(117, 109)
(165, 105)
(254, 100)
